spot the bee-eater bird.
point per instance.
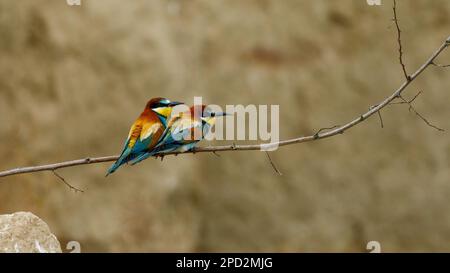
(184, 131)
(146, 131)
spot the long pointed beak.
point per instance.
(221, 114)
(174, 103)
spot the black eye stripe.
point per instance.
(157, 105)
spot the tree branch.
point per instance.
(379, 116)
(65, 182)
(399, 41)
(333, 131)
(56, 166)
(440, 65)
(273, 164)
(413, 109)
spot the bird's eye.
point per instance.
(213, 114)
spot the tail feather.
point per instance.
(115, 166)
(124, 158)
(141, 157)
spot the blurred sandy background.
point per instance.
(72, 79)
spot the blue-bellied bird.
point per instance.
(146, 131)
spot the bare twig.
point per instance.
(316, 135)
(440, 65)
(56, 166)
(399, 41)
(408, 78)
(65, 182)
(413, 109)
(273, 164)
(381, 119)
(379, 116)
(406, 101)
(413, 99)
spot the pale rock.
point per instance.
(24, 232)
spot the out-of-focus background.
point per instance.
(73, 79)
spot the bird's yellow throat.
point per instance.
(163, 111)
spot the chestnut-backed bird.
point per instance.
(146, 131)
(184, 131)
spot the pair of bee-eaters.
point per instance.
(156, 131)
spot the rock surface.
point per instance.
(24, 232)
